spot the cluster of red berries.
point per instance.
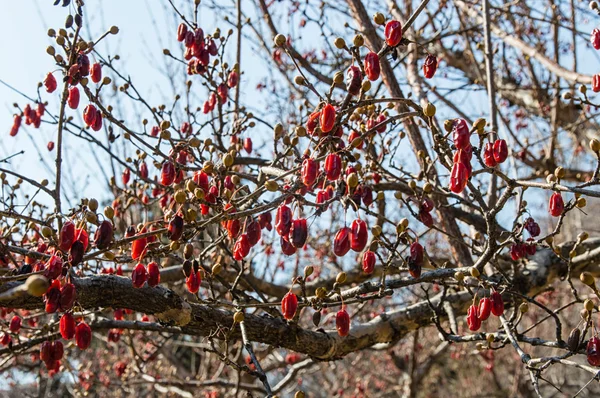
(32, 117)
(461, 169)
(495, 153)
(492, 305)
(140, 275)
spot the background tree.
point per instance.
(398, 206)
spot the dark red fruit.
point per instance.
(368, 262)
(289, 305)
(153, 274)
(341, 242)
(342, 323)
(497, 304)
(139, 275)
(372, 68)
(556, 204)
(359, 235)
(473, 320)
(83, 336)
(393, 33)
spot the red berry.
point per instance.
(67, 236)
(341, 242)
(485, 308)
(333, 166)
(253, 230)
(83, 335)
(138, 248)
(139, 275)
(359, 235)
(310, 170)
(289, 305)
(233, 79)
(368, 262)
(96, 72)
(57, 351)
(283, 220)
(342, 323)
(16, 125)
(473, 320)
(595, 38)
(167, 173)
(488, 155)
(46, 351)
(430, 66)
(104, 235)
(596, 83)
(247, 144)
(532, 227)
(415, 259)
(497, 304)
(286, 247)
(393, 33)
(556, 204)
(500, 151)
(298, 232)
(53, 267)
(241, 248)
(458, 178)
(89, 115)
(67, 326)
(97, 122)
(193, 282)
(15, 324)
(50, 83)
(175, 228)
(460, 134)
(592, 351)
(372, 68)
(73, 99)
(67, 296)
(327, 118)
(353, 80)
(153, 274)
(182, 30)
